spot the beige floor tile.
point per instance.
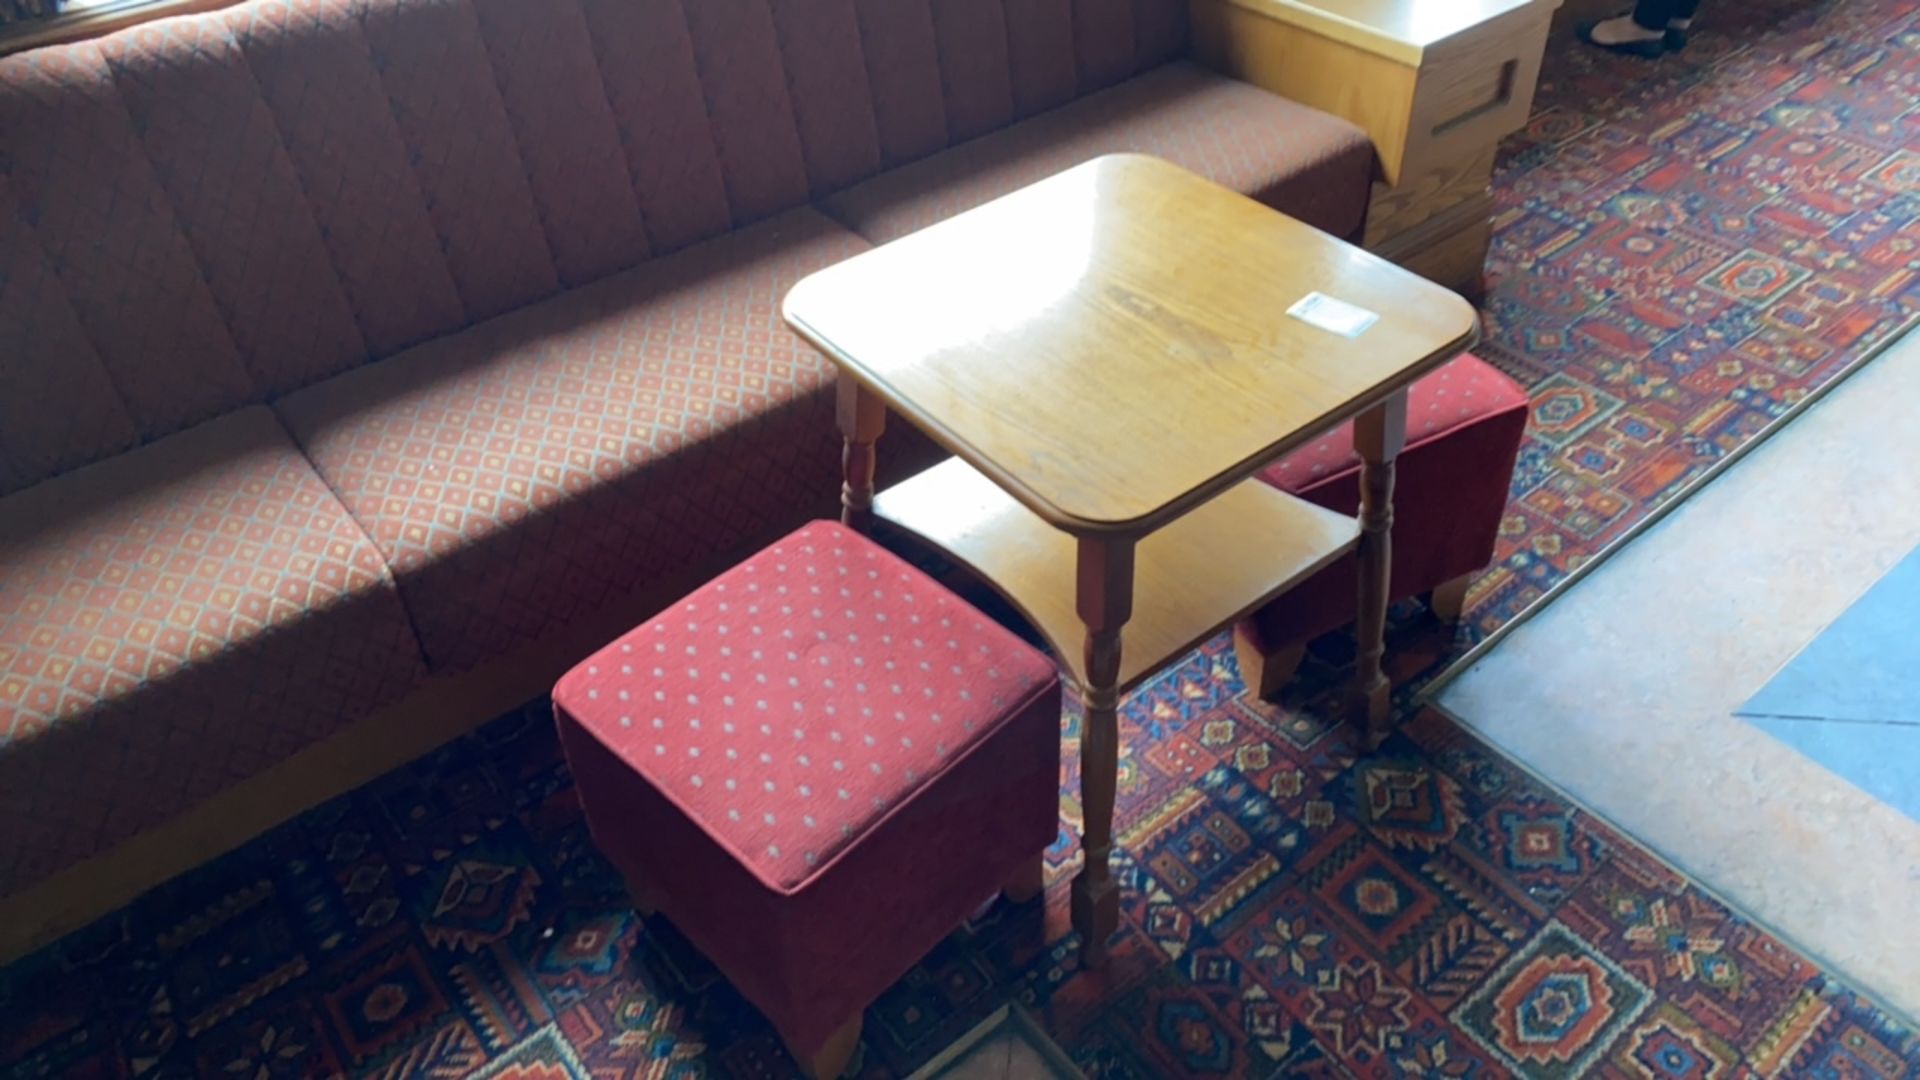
(1622, 691)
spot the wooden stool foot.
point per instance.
(1265, 673)
(1028, 882)
(831, 1059)
(646, 899)
(1372, 716)
(1097, 916)
(1448, 601)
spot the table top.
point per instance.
(1112, 346)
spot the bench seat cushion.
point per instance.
(174, 620)
(1311, 165)
(525, 471)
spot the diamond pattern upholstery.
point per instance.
(43, 345)
(509, 273)
(235, 204)
(818, 764)
(86, 195)
(1314, 166)
(441, 90)
(568, 135)
(516, 474)
(236, 200)
(172, 621)
(315, 74)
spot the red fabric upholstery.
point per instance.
(216, 151)
(86, 194)
(212, 210)
(645, 63)
(542, 56)
(1465, 423)
(44, 348)
(822, 761)
(172, 621)
(517, 474)
(317, 78)
(563, 230)
(1315, 167)
(446, 105)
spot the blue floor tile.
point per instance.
(1851, 699)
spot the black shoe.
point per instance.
(1647, 50)
(1676, 39)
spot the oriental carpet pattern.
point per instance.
(1684, 249)
(1428, 911)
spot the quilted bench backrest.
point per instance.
(212, 210)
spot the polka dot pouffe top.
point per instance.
(791, 703)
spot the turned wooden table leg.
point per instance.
(863, 417)
(1105, 602)
(1378, 435)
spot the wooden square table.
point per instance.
(1109, 356)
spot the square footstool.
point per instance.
(1465, 424)
(816, 766)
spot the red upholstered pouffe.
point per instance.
(816, 765)
(1465, 423)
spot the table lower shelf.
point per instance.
(1191, 578)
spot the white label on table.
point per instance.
(1333, 316)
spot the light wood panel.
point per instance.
(1108, 344)
(1477, 86)
(1434, 83)
(1450, 247)
(1204, 571)
(1394, 214)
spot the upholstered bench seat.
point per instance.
(517, 473)
(1313, 166)
(173, 620)
(816, 766)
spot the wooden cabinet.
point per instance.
(1435, 83)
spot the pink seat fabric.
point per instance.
(1316, 167)
(1462, 393)
(817, 764)
(517, 474)
(172, 621)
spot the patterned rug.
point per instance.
(1288, 911)
(1684, 250)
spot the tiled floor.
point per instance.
(1009, 1046)
(1624, 691)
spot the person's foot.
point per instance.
(1677, 33)
(1622, 35)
